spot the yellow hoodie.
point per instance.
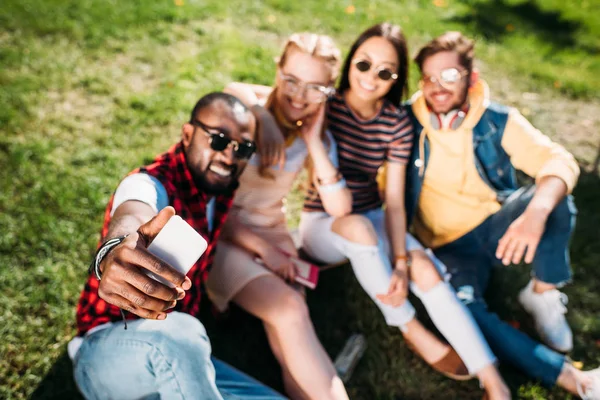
(454, 199)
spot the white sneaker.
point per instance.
(548, 310)
(592, 391)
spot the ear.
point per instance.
(474, 77)
(187, 133)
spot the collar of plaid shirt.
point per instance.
(190, 204)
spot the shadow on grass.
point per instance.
(239, 339)
(496, 18)
(389, 370)
(596, 163)
(58, 384)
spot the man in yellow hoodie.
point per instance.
(465, 203)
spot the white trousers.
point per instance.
(373, 269)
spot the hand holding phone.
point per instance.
(177, 244)
(307, 274)
(130, 268)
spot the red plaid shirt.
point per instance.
(171, 170)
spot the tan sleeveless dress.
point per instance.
(259, 204)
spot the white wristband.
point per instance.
(332, 187)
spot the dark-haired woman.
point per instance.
(370, 127)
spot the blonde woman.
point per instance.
(251, 267)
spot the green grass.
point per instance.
(91, 89)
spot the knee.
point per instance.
(183, 334)
(356, 228)
(291, 310)
(423, 272)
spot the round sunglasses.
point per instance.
(449, 78)
(383, 73)
(218, 141)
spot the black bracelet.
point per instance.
(103, 250)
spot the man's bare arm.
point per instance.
(124, 283)
(524, 234)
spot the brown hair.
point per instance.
(449, 41)
(393, 33)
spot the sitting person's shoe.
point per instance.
(451, 365)
(548, 310)
(592, 390)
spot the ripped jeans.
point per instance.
(373, 270)
(471, 258)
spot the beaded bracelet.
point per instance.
(103, 250)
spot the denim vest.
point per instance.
(491, 161)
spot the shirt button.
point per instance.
(418, 163)
(499, 172)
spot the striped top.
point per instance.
(363, 146)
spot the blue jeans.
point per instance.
(167, 359)
(470, 260)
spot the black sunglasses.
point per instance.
(218, 141)
(383, 73)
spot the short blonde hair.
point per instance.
(320, 46)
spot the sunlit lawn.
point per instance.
(91, 89)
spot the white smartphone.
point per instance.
(179, 245)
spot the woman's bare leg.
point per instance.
(291, 386)
(287, 321)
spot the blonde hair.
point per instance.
(320, 46)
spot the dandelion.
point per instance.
(510, 27)
(178, 3)
(440, 3)
(557, 84)
(350, 9)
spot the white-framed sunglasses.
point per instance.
(448, 78)
(312, 92)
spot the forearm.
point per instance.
(396, 228)
(128, 217)
(550, 191)
(123, 225)
(322, 165)
(337, 202)
(244, 92)
(395, 212)
(241, 235)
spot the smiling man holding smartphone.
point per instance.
(166, 352)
